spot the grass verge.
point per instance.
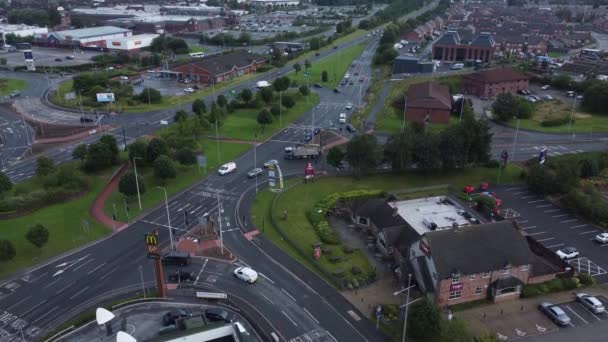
(301, 198)
(557, 110)
(8, 85)
(335, 65)
(65, 224)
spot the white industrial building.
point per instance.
(130, 43)
(91, 37)
(275, 3)
(21, 30)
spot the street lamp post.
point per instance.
(168, 217)
(141, 275)
(136, 181)
(407, 303)
(219, 219)
(572, 113)
(515, 139)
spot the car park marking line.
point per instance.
(79, 292)
(577, 315)
(289, 318)
(560, 215)
(530, 227)
(84, 263)
(547, 239)
(524, 221)
(66, 287)
(290, 296)
(551, 211)
(553, 246)
(588, 232)
(566, 221)
(32, 308)
(519, 193)
(544, 205)
(579, 226)
(268, 299)
(591, 312)
(536, 233)
(201, 271)
(311, 316)
(536, 201)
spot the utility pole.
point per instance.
(280, 109)
(141, 275)
(168, 217)
(404, 109)
(124, 137)
(126, 209)
(217, 140)
(407, 305)
(515, 140)
(137, 182)
(219, 219)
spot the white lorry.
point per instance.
(302, 151)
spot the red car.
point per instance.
(361, 79)
(357, 72)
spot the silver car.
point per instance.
(555, 313)
(254, 172)
(593, 304)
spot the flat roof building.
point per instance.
(86, 37)
(21, 30)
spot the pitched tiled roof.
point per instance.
(220, 64)
(484, 40)
(496, 75)
(479, 248)
(449, 38)
(429, 95)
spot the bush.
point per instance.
(586, 280)
(554, 285)
(493, 164)
(556, 122)
(150, 94)
(185, 156)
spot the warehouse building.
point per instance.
(130, 44)
(21, 30)
(86, 38)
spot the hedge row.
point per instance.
(36, 199)
(556, 122)
(557, 285)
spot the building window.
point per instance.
(455, 295)
(486, 274)
(478, 291)
(525, 268)
(472, 277)
(455, 278)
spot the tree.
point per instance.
(562, 81)
(127, 185)
(99, 157)
(266, 95)
(335, 156)
(424, 320)
(304, 90)
(275, 110)
(362, 153)
(150, 94)
(426, 153)
(297, 67)
(180, 116)
(281, 84)
(5, 183)
(199, 107)
(246, 95)
(156, 147)
(288, 101)
(505, 107)
(315, 43)
(37, 235)
(307, 64)
(185, 156)
(324, 76)
(164, 168)
(264, 118)
(137, 149)
(112, 145)
(398, 150)
(44, 166)
(221, 101)
(595, 97)
(7, 250)
(589, 168)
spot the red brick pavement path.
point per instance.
(96, 209)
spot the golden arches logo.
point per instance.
(151, 239)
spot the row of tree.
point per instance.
(164, 43)
(37, 235)
(88, 84)
(35, 16)
(465, 144)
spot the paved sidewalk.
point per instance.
(96, 209)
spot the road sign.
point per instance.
(378, 311)
(164, 122)
(317, 253)
(542, 157)
(309, 170)
(152, 245)
(504, 157)
(201, 160)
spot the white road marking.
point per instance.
(588, 232)
(46, 314)
(553, 246)
(79, 292)
(268, 299)
(290, 319)
(32, 308)
(537, 233)
(579, 226)
(267, 278)
(547, 239)
(524, 197)
(560, 215)
(290, 296)
(541, 200)
(519, 193)
(19, 302)
(51, 283)
(84, 263)
(201, 271)
(551, 211)
(96, 268)
(110, 272)
(311, 316)
(566, 221)
(577, 315)
(544, 205)
(65, 287)
(531, 227)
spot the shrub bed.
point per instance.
(556, 122)
(555, 285)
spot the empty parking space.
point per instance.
(519, 324)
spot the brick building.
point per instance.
(218, 68)
(452, 48)
(489, 83)
(428, 101)
(469, 263)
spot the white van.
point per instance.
(227, 168)
(457, 66)
(342, 117)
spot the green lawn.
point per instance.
(243, 125)
(65, 224)
(10, 84)
(582, 123)
(298, 200)
(187, 175)
(336, 66)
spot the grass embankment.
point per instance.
(380, 75)
(335, 65)
(65, 222)
(8, 85)
(186, 176)
(301, 198)
(555, 110)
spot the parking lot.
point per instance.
(557, 228)
(47, 56)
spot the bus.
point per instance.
(197, 55)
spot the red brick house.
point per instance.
(430, 101)
(416, 35)
(451, 48)
(489, 83)
(469, 263)
(219, 68)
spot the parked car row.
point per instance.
(559, 316)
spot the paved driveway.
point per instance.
(556, 228)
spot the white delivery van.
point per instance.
(342, 117)
(457, 66)
(262, 84)
(227, 168)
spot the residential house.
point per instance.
(218, 68)
(428, 102)
(475, 262)
(417, 35)
(490, 83)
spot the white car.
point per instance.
(342, 117)
(227, 168)
(591, 303)
(189, 90)
(545, 87)
(246, 274)
(270, 162)
(347, 76)
(124, 78)
(349, 106)
(567, 253)
(602, 238)
(548, 97)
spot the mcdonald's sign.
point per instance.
(152, 245)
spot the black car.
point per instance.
(69, 57)
(351, 128)
(351, 82)
(317, 131)
(170, 317)
(335, 47)
(181, 276)
(84, 119)
(58, 59)
(317, 54)
(336, 90)
(317, 85)
(219, 315)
